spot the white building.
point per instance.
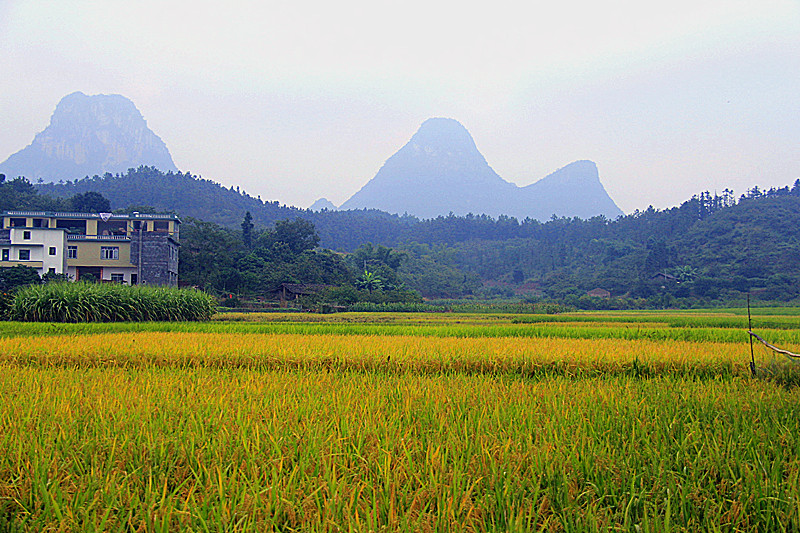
(44, 249)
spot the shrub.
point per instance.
(90, 302)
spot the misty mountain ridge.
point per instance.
(441, 171)
(322, 203)
(90, 135)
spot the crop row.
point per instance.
(386, 354)
(667, 320)
(631, 331)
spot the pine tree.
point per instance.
(247, 230)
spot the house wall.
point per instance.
(159, 258)
(39, 243)
(89, 253)
(107, 272)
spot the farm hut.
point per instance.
(287, 292)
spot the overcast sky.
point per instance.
(296, 100)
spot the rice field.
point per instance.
(400, 422)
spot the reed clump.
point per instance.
(92, 302)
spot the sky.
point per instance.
(293, 101)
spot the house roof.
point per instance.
(114, 216)
(301, 288)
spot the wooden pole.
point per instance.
(749, 334)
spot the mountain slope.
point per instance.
(572, 191)
(440, 171)
(90, 135)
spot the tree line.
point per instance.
(710, 249)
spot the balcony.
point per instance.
(16, 262)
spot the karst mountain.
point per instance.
(90, 135)
(440, 171)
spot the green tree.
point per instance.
(296, 236)
(90, 202)
(369, 281)
(247, 230)
(685, 273)
(208, 256)
(17, 276)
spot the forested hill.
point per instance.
(709, 247)
(189, 195)
(182, 193)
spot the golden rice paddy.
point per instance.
(177, 430)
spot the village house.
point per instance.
(125, 248)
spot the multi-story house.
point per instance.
(132, 248)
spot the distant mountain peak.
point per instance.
(440, 171)
(443, 135)
(322, 203)
(90, 135)
(446, 144)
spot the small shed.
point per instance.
(287, 292)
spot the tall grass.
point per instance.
(91, 302)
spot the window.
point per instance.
(118, 278)
(109, 252)
(5, 254)
(26, 235)
(72, 252)
(134, 279)
(51, 270)
(52, 250)
(24, 255)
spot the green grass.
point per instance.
(627, 330)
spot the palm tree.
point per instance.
(685, 273)
(370, 281)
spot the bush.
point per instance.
(12, 278)
(89, 302)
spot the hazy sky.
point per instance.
(296, 100)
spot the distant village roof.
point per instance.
(664, 276)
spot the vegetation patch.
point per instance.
(89, 302)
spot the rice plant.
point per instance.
(199, 449)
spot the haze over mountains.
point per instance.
(87, 136)
(439, 171)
